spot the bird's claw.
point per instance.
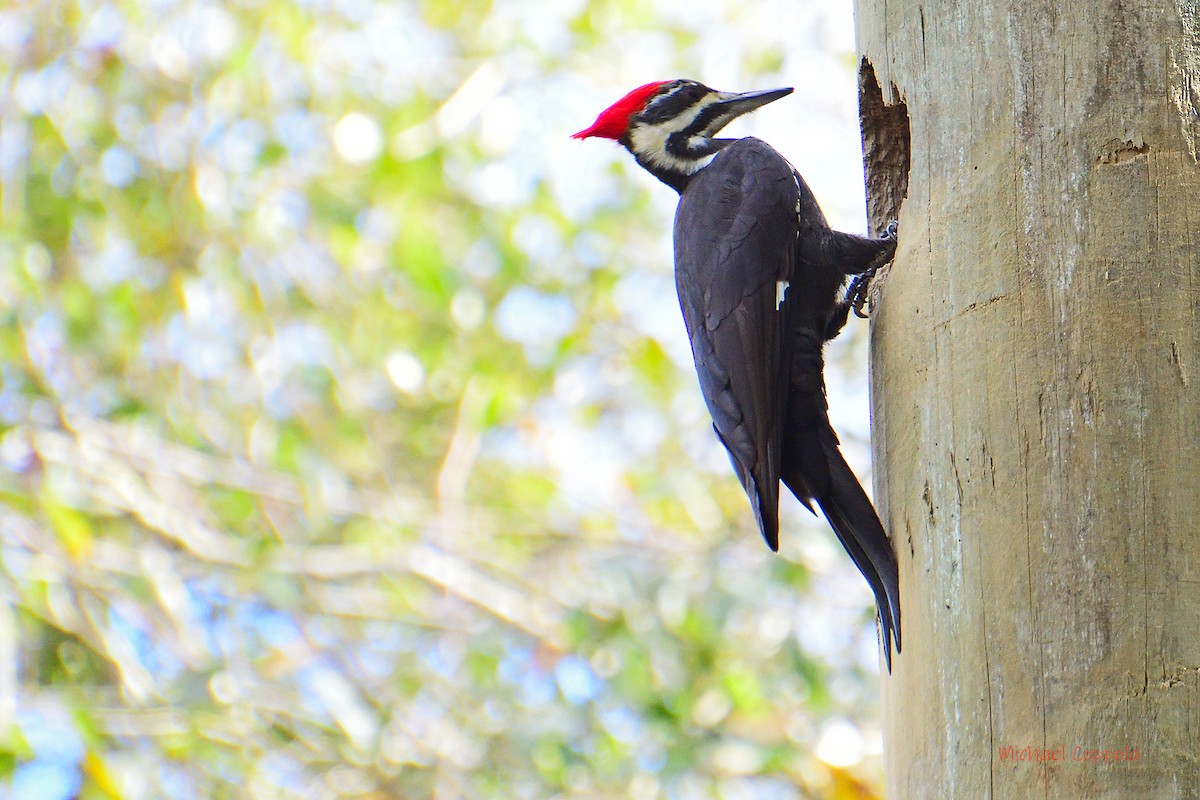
(856, 294)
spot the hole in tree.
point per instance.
(887, 146)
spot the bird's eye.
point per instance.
(678, 97)
(659, 109)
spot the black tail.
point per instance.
(813, 469)
(857, 526)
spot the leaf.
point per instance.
(72, 526)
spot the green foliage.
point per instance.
(349, 445)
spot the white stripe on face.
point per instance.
(650, 141)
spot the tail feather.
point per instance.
(814, 469)
(857, 526)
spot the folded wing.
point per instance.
(735, 235)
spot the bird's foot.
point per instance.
(856, 294)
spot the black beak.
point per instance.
(738, 104)
(731, 105)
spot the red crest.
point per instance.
(614, 120)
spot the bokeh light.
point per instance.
(349, 441)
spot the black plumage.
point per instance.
(758, 272)
(759, 357)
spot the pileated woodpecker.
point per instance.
(758, 270)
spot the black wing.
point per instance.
(745, 223)
(735, 240)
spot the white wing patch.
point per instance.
(781, 288)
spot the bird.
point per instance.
(758, 271)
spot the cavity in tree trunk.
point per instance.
(1035, 364)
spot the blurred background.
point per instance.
(349, 439)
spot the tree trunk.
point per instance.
(1036, 392)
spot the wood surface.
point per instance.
(1035, 379)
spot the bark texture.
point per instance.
(1036, 392)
